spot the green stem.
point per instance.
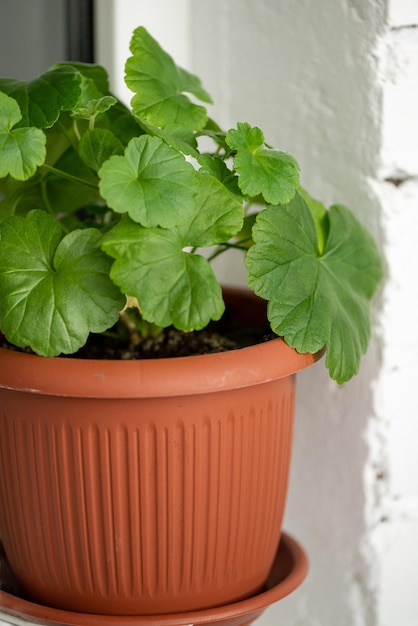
(48, 205)
(227, 246)
(70, 135)
(46, 199)
(74, 179)
(76, 131)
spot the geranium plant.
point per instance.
(101, 202)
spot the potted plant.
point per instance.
(110, 219)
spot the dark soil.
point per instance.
(217, 337)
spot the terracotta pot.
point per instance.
(146, 487)
(289, 570)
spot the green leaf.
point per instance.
(97, 79)
(54, 291)
(120, 121)
(320, 216)
(316, 300)
(64, 196)
(181, 139)
(94, 107)
(152, 182)
(94, 98)
(261, 169)
(97, 146)
(42, 100)
(19, 197)
(218, 168)
(174, 286)
(160, 86)
(245, 236)
(218, 215)
(22, 150)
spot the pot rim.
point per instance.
(191, 375)
(157, 378)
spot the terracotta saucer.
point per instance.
(289, 570)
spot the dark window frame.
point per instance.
(80, 30)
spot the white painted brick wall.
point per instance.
(396, 536)
(399, 78)
(403, 13)
(335, 84)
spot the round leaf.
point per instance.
(315, 299)
(159, 86)
(173, 287)
(42, 99)
(152, 182)
(262, 170)
(53, 291)
(97, 146)
(218, 215)
(22, 150)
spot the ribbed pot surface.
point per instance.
(155, 502)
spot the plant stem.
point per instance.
(48, 204)
(226, 246)
(70, 136)
(45, 198)
(74, 179)
(76, 131)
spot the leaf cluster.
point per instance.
(101, 202)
